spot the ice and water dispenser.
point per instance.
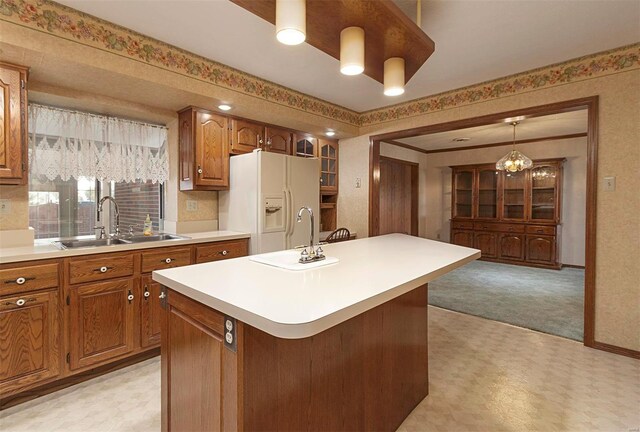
(273, 214)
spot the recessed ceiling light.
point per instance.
(461, 139)
(330, 133)
(224, 107)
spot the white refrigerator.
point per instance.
(266, 191)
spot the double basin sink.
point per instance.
(82, 243)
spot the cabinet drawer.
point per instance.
(103, 267)
(500, 227)
(30, 278)
(222, 250)
(462, 225)
(165, 258)
(541, 229)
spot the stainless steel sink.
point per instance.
(157, 237)
(74, 244)
(82, 243)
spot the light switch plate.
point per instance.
(5, 206)
(609, 184)
(192, 205)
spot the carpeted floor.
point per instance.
(550, 301)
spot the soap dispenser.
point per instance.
(148, 226)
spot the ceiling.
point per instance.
(567, 123)
(476, 41)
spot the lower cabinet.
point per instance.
(101, 322)
(511, 247)
(541, 249)
(150, 313)
(487, 242)
(462, 238)
(29, 340)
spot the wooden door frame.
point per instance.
(588, 103)
(415, 188)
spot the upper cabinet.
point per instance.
(204, 150)
(328, 166)
(13, 124)
(278, 140)
(545, 191)
(246, 136)
(306, 146)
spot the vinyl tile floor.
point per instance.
(484, 376)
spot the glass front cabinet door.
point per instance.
(514, 195)
(328, 166)
(462, 193)
(306, 146)
(487, 192)
(546, 178)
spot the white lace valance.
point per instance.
(69, 144)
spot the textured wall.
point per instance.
(618, 221)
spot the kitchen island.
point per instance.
(247, 346)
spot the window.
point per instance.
(75, 159)
(69, 208)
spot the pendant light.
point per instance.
(394, 76)
(291, 21)
(352, 51)
(514, 160)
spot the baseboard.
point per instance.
(572, 266)
(63, 383)
(616, 350)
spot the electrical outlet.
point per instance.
(192, 205)
(609, 184)
(5, 206)
(358, 182)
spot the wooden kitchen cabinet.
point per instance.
(305, 146)
(512, 217)
(278, 140)
(204, 150)
(328, 166)
(246, 136)
(30, 336)
(13, 124)
(150, 313)
(101, 322)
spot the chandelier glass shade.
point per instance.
(514, 160)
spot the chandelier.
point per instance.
(514, 160)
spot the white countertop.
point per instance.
(44, 249)
(298, 304)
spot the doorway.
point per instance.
(589, 106)
(398, 196)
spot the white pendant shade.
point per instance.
(394, 76)
(352, 51)
(291, 21)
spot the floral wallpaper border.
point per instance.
(59, 20)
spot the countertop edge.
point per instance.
(307, 329)
(64, 253)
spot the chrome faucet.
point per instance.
(115, 207)
(313, 254)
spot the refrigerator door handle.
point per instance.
(289, 213)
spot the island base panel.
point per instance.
(367, 373)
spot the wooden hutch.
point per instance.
(511, 217)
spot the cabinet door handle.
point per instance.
(102, 269)
(130, 297)
(146, 292)
(168, 260)
(199, 170)
(268, 142)
(260, 139)
(20, 280)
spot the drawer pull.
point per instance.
(539, 231)
(224, 252)
(103, 269)
(20, 281)
(168, 260)
(20, 302)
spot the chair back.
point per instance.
(341, 234)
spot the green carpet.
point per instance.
(550, 301)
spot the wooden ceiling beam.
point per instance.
(388, 31)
